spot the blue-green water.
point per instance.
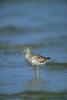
(41, 25)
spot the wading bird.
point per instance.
(35, 60)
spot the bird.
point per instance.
(35, 60)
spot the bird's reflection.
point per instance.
(35, 84)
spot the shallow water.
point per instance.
(41, 25)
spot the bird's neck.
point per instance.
(27, 55)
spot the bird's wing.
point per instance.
(40, 58)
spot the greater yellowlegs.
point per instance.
(35, 60)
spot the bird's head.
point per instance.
(26, 50)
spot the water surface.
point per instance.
(41, 25)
